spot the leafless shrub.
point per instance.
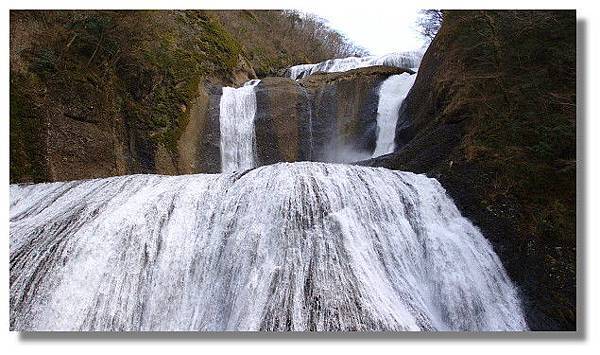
(429, 22)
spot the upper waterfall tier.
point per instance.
(392, 93)
(333, 117)
(400, 60)
(302, 246)
(236, 117)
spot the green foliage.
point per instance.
(219, 44)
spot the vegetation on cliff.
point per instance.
(134, 74)
(492, 112)
(493, 115)
(273, 40)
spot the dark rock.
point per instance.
(329, 117)
(208, 158)
(280, 123)
(436, 133)
(344, 112)
(198, 148)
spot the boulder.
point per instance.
(330, 117)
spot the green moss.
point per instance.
(220, 46)
(144, 66)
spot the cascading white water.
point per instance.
(302, 246)
(392, 93)
(236, 119)
(401, 60)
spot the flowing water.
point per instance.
(236, 118)
(289, 246)
(301, 246)
(392, 93)
(400, 60)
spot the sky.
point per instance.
(380, 32)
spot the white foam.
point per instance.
(400, 60)
(236, 120)
(392, 93)
(302, 246)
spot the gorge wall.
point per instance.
(492, 117)
(328, 117)
(104, 93)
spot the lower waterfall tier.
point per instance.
(300, 246)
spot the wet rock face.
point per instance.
(199, 146)
(209, 157)
(323, 117)
(282, 122)
(345, 112)
(330, 117)
(404, 128)
(345, 115)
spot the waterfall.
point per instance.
(290, 246)
(236, 119)
(391, 94)
(400, 60)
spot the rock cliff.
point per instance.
(103, 93)
(328, 117)
(492, 117)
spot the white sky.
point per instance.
(378, 31)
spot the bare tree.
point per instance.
(429, 22)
